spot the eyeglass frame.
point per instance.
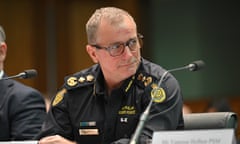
(127, 43)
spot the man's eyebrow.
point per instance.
(120, 42)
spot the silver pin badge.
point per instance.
(124, 120)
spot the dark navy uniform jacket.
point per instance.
(22, 111)
(83, 112)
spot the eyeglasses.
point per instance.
(118, 48)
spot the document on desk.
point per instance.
(19, 142)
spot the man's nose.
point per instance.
(127, 51)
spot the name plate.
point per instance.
(218, 136)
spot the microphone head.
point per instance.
(196, 65)
(29, 74)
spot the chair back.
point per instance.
(212, 120)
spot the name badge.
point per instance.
(88, 132)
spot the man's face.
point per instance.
(122, 66)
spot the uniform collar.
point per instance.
(99, 84)
(100, 87)
(1, 74)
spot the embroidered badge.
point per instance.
(127, 110)
(158, 95)
(58, 97)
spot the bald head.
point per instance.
(2, 34)
(3, 47)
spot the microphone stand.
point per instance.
(15, 76)
(23, 75)
(141, 123)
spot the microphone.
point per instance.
(23, 75)
(194, 66)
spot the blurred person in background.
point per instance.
(218, 105)
(22, 108)
(186, 109)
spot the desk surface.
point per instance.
(19, 142)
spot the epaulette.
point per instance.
(78, 80)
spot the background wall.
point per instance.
(188, 30)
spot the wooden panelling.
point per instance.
(50, 37)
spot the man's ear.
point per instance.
(3, 51)
(92, 53)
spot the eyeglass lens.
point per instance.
(118, 49)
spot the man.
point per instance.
(103, 104)
(22, 109)
(218, 105)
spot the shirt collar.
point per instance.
(1, 74)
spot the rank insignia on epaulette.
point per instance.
(90, 78)
(72, 81)
(154, 85)
(58, 97)
(148, 81)
(158, 95)
(81, 79)
(140, 77)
